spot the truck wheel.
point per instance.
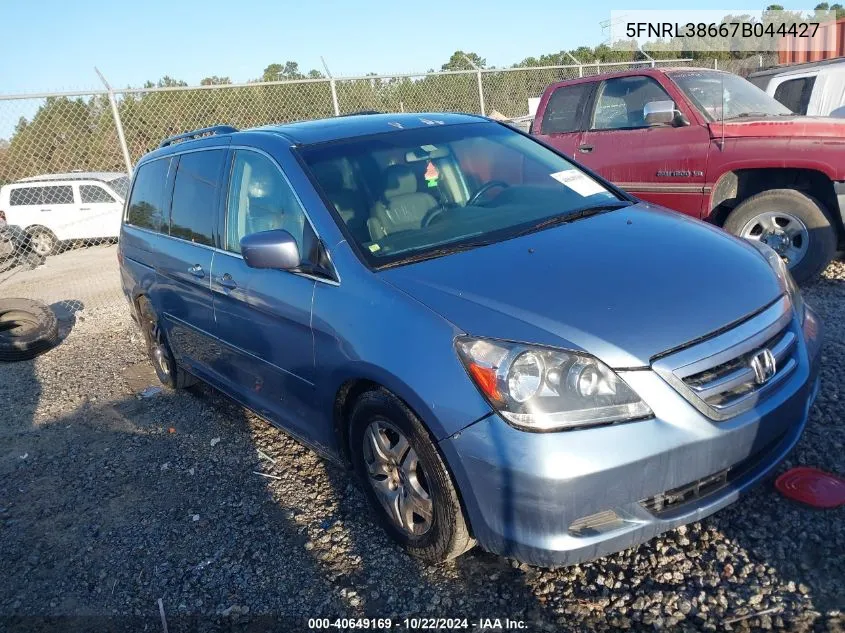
(794, 224)
(165, 365)
(405, 478)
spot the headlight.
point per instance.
(543, 389)
(782, 271)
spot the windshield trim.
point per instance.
(494, 237)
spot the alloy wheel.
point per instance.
(783, 232)
(397, 477)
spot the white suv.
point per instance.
(58, 207)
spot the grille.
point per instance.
(718, 376)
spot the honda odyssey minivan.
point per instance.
(506, 348)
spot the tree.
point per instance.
(214, 80)
(458, 61)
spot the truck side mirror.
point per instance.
(657, 113)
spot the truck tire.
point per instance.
(796, 225)
(27, 328)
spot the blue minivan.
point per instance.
(506, 348)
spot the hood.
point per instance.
(623, 286)
(792, 126)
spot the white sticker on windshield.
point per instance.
(429, 148)
(578, 182)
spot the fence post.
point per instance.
(480, 85)
(580, 65)
(715, 64)
(332, 87)
(117, 122)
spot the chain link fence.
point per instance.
(65, 157)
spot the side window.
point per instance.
(564, 108)
(192, 212)
(60, 194)
(260, 199)
(146, 205)
(92, 194)
(25, 195)
(620, 102)
(795, 93)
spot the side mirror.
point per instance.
(270, 249)
(663, 113)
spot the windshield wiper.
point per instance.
(439, 252)
(571, 216)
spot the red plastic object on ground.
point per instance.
(812, 486)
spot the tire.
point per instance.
(27, 328)
(42, 241)
(164, 363)
(777, 213)
(446, 534)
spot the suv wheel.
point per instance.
(793, 224)
(405, 478)
(165, 365)
(42, 242)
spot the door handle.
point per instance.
(197, 271)
(84, 208)
(585, 149)
(228, 282)
(45, 210)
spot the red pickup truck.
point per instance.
(712, 145)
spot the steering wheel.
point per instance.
(429, 217)
(487, 186)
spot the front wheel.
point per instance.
(405, 479)
(794, 224)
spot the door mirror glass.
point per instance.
(661, 113)
(275, 249)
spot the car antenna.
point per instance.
(722, 82)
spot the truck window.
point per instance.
(795, 93)
(564, 108)
(621, 101)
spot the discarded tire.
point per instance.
(27, 328)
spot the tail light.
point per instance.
(2, 216)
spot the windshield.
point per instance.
(412, 194)
(120, 186)
(721, 96)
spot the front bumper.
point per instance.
(527, 495)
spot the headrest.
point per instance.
(329, 176)
(399, 180)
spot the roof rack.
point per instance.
(203, 131)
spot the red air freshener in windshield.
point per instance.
(812, 487)
(431, 172)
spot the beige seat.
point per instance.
(403, 207)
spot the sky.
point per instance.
(50, 45)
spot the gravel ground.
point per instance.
(110, 502)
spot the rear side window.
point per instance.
(795, 93)
(192, 212)
(147, 202)
(59, 194)
(94, 194)
(564, 108)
